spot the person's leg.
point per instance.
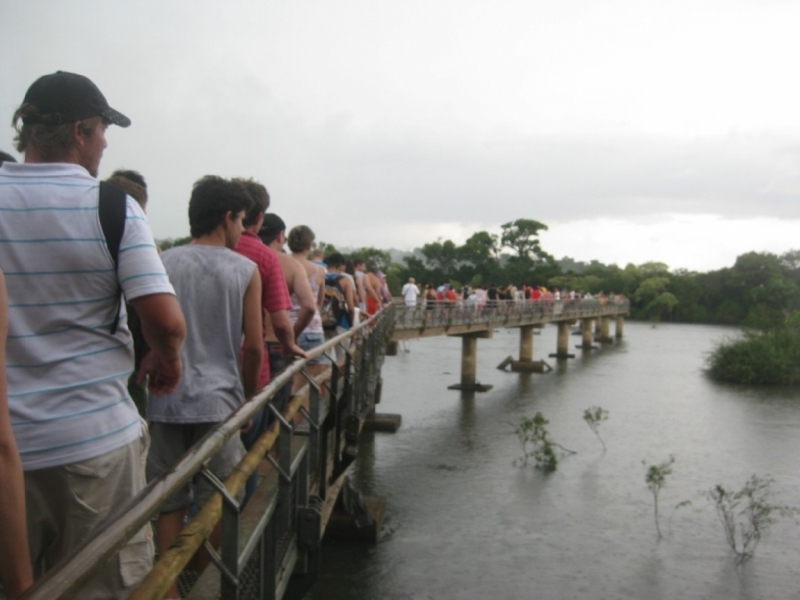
(66, 504)
(261, 421)
(168, 526)
(169, 442)
(221, 465)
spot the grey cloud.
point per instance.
(332, 172)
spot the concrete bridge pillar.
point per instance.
(586, 333)
(526, 343)
(469, 363)
(605, 328)
(525, 364)
(620, 326)
(562, 344)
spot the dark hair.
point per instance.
(358, 261)
(132, 175)
(6, 158)
(259, 197)
(133, 189)
(132, 182)
(349, 268)
(212, 198)
(300, 238)
(270, 228)
(335, 260)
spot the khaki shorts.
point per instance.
(65, 503)
(171, 441)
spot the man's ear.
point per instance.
(77, 134)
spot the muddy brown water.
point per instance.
(464, 522)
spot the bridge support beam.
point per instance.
(586, 334)
(526, 343)
(469, 363)
(526, 364)
(605, 328)
(562, 344)
(620, 326)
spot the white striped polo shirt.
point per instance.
(67, 375)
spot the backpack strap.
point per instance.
(111, 208)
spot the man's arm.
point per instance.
(305, 297)
(277, 303)
(349, 298)
(164, 330)
(320, 275)
(16, 574)
(284, 331)
(362, 292)
(253, 344)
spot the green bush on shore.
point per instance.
(765, 357)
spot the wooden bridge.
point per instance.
(271, 546)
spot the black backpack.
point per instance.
(334, 307)
(111, 208)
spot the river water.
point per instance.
(464, 522)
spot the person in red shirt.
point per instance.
(274, 291)
(276, 304)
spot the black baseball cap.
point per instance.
(63, 97)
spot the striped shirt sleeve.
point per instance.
(141, 271)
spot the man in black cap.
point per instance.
(69, 349)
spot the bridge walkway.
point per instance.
(270, 547)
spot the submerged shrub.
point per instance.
(747, 514)
(537, 445)
(768, 357)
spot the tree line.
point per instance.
(760, 287)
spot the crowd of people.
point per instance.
(116, 357)
(480, 297)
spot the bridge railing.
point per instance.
(502, 312)
(282, 530)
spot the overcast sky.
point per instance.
(635, 130)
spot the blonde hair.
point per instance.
(52, 142)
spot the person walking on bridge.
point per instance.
(69, 351)
(220, 293)
(410, 292)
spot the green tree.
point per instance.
(173, 242)
(441, 257)
(326, 248)
(522, 236)
(374, 257)
(479, 250)
(661, 306)
(650, 289)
